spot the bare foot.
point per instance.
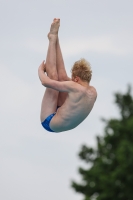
(54, 28)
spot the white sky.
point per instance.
(35, 164)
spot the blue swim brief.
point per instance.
(46, 122)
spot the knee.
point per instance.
(62, 77)
(53, 75)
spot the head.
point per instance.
(81, 70)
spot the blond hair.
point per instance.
(82, 69)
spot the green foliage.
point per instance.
(110, 166)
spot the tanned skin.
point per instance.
(75, 97)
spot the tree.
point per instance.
(110, 165)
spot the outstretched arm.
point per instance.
(64, 86)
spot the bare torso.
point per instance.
(76, 108)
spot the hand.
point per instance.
(42, 67)
(41, 71)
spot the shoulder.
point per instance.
(93, 89)
(93, 92)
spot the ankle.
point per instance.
(52, 37)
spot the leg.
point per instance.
(62, 75)
(49, 102)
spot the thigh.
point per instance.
(49, 103)
(62, 98)
(62, 95)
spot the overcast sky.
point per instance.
(35, 164)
